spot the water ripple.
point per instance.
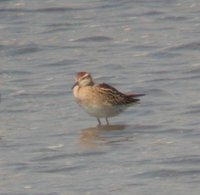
(60, 169)
(61, 63)
(48, 9)
(24, 49)
(187, 46)
(174, 18)
(94, 39)
(164, 54)
(183, 160)
(169, 173)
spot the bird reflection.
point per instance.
(100, 135)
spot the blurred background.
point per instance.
(48, 145)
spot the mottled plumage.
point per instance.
(100, 100)
(115, 97)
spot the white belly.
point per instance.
(106, 111)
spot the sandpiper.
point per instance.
(100, 100)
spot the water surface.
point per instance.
(48, 145)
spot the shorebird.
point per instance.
(100, 100)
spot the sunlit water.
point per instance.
(48, 145)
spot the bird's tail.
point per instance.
(136, 95)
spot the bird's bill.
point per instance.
(74, 85)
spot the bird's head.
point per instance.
(84, 79)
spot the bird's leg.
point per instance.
(107, 121)
(99, 122)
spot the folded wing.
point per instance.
(115, 97)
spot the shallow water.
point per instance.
(48, 145)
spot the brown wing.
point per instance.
(113, 96)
